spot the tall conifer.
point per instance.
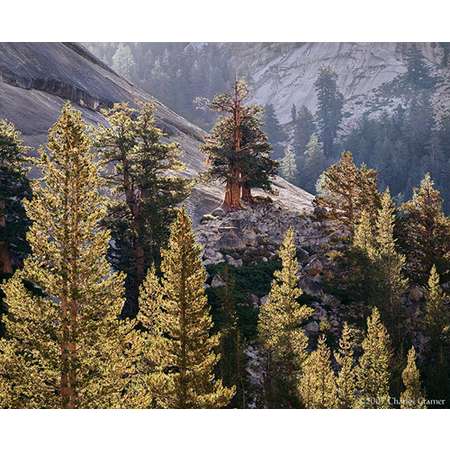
(424, 233)
(65, 346)
(389, 266)
(317, 387)
(143, 173)
(346, 379)
(373, 371)
(412, 397)
(185, 351)
(279, 328)
(345, 190)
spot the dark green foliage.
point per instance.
(237, 148)
(274, 131)
(329, 109)
(303, 129)
(248, 279)
(142, 172)
(231, 367)
(14, 187)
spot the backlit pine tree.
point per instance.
(317, 386)
(185, 356)
(279, 328)
(436, 327)
(436, 314)
(345, 190)
(143, 174)
(389, 267)
(424, 233)
(364, 235)
(346, 378)
(412, 397)
(65, 346)
(373, 370)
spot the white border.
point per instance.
(225, 20)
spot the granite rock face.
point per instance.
(37, 78)
(284, 73)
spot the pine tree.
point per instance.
(182, 346)
(274, 131)
(346, 379)
(143, 174)
(313, 164)
(424, 233)
(304, 128)
(329, 110)
(364, 235)
(293, 113)
(288, 166)
(345, 190)
(389, 265)
(65, 346)
(123, 61)
(279, 328)
(238, 150)
(231, 366)
(317, 387)
(436, 329)
(13, 188)
(412, 397)
(436, 315)
(418, 72)
(373, 371)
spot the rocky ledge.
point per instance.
(254, 233)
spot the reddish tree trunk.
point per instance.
(232, 198)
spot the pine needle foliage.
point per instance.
(143, 174)
(346, 378)
(279, 329)
(345, 190)
(424, 233)
(64, 345)
(183, 349)
(412, 397)
(317, 387)
(373, 371)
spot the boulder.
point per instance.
(312, 327)
(217, 281)
(230, 240)
(233, 262)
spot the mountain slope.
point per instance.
(36, 79)
(284, 73)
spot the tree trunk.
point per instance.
(5, 257)
(246, 194)
(232, 196)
